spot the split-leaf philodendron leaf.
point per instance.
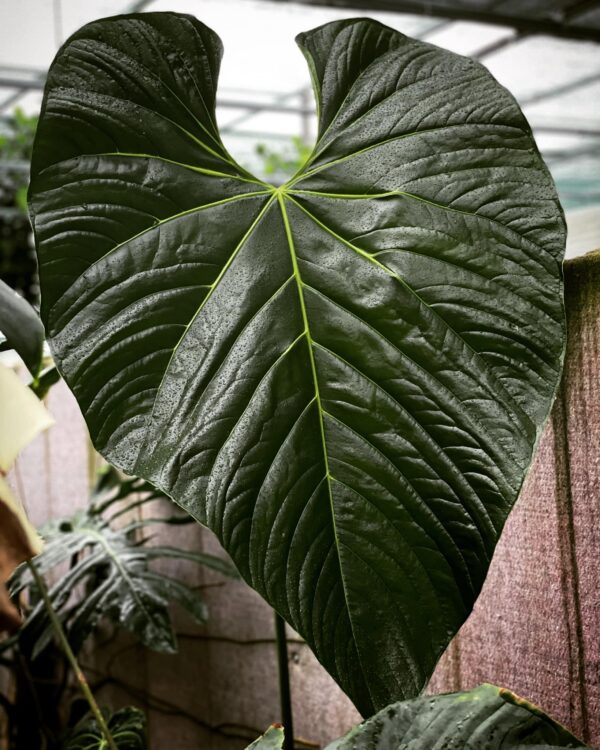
(486, 718)
(343, 377)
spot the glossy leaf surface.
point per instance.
(486, 718)
(344, 377)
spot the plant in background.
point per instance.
(109, 559)
(111, 574)
(127, 727)
(344, 376)
(17, 257)
(110, 578)
(281, 165)
(16, 144)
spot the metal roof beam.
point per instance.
(279, 99)
(255, 107)
(565, 130)
(579, 8)
(561, 90)
(498, 45)
(25, 84)
(523, 25)
(12, 99)
(554, 157)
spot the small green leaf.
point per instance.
(486, 718)
(127, 727)
(44, 381)
(22, 328)
(272, 739)
(21, 198)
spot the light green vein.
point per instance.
(517, 416)
(474, 215)
(320, 410)
(200, 170)
(300, 285)
(80, 103)
(151, 228)
(205, 299)
(392, 139)
(347, 196)
(124, 59)
(347, 157)
(216, 477)
(236, 341)
(476, 510)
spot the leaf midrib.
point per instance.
(281, 195)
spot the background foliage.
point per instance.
(18, 266)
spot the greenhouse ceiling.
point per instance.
(546, 52)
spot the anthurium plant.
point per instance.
(344, 376)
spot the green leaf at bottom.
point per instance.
(486, 718)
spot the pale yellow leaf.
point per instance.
(22, 417)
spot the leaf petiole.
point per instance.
(72, 659)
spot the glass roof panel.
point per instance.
(557, 81)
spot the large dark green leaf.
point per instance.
(344, 377)
(486, 718)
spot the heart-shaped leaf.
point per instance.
(343, 377)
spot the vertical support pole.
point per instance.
(305, 103)
(284, 683)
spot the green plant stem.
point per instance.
(284, 683)
(72, 659)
